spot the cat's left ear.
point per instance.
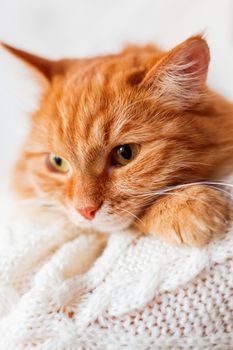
(47, 68)
(178, 79)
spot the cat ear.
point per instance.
(47, 68)
(178, 79)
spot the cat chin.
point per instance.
(105, 227)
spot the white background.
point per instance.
(57, 28)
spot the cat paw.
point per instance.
(193, 216)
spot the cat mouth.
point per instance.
(102, 220)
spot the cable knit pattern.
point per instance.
(138, 294)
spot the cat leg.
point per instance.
(193, 215)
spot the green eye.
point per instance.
(57, 164)
(124, 154)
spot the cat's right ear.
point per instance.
(47, 68)
(178, 79)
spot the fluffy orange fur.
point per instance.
(143, 96)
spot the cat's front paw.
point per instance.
(193, 216)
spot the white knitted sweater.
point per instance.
(138, 294)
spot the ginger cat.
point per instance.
(131, 139)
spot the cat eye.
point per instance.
(124, 154)
(57, 164)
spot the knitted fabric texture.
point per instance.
(60, 291)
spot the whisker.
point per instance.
(180, 186)
(135, 216)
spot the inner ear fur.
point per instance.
(179, 77)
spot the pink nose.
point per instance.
(88, 212)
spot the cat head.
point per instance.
(111, 131)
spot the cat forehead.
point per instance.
(97, 103)
(95, 117)
(107, 82)
(120, 66)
